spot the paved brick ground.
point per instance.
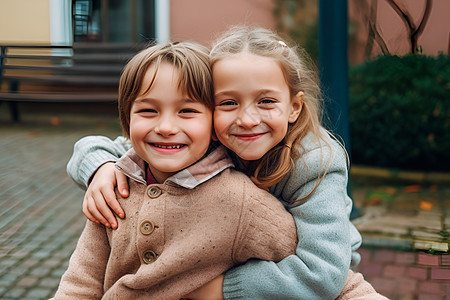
(41, 218)
(40, 214)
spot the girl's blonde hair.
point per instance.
(300, 75)
(189, 59)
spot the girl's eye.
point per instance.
(227, 102)
(267, 101)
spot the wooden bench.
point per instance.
(82, 73)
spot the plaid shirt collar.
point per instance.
(214, 162)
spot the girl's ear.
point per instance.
(214, 136)
(296, 107)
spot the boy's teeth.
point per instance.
(169, 147)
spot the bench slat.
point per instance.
(58, 97)
(109, 69)
(36, 57)
(67, 79)
(97, 58)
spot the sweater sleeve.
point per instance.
(266, 229)
(90, 153)
(324, 250)
(84, 278)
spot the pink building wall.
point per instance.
(203, 20)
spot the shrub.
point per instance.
(399, 111)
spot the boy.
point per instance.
(189, 216)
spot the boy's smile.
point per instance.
(168, 148)
(168, 130)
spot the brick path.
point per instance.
(40, 215)
(407, 275)
(41, 218)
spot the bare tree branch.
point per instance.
(403, 14)
(414, 32)
(426, 15)
(370, 19)
(379, 39)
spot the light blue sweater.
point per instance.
(327, 238)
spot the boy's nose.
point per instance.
(248, 117)
(166, 127)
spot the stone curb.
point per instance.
(400, 175)
(402, 244)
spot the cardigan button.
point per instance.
(154, 192)
(146, 227)
(149, 256)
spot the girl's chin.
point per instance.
(246, 158)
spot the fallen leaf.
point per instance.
(33, 133)
(391, 190)
(55, 121)
(425, 205)
(411, 188)
(374, 200)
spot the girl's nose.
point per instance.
(248, 117)
(166, 126)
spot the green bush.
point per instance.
(400, 112)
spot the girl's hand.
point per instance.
(100, 197)
(210, 291)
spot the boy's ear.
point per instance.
(296, 107)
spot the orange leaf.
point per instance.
(374, 200)
(425, 205)
(55, 121)
(411, 188)
(434, 188)
(391, 190)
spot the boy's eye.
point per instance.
(147, 110)
(188, 111)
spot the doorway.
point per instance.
(113, 21)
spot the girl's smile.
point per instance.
(249, 136)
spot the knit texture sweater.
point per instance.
(178, 235)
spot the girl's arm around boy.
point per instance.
(327, 239)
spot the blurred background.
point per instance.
(388, 100)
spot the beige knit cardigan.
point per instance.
(175, 239)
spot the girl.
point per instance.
(257, 78)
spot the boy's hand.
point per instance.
(100, 197)
(210, 291)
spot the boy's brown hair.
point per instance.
(189, 59)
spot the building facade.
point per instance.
(135, 21)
